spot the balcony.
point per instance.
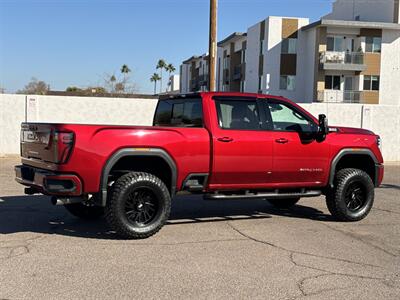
(334, 96)
(342, 60)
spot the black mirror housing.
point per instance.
(323, 128)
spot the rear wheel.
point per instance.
(139, 206)
(284, 203)
(352, 197)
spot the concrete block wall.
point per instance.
(383, 120)
(14, 109)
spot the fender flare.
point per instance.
(155, 152)
(352, 151)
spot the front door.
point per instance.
(298, 158)
(242, 152)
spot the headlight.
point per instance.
(379, 142)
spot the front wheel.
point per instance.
(352, 197)
(139, 206)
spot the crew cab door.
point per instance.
(297, 157)
(241, 151)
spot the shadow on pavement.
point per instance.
(36, 214)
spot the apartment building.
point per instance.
(194, 74)
(350, 55)
(357, 53)
(274, 58)
(231, 63)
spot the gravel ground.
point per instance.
(227, 249)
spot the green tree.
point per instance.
(161, 65)
(154, 78)
(73, 89)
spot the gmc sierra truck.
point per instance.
(222, 145)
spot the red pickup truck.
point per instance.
(223, 145)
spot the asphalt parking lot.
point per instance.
(228, 249)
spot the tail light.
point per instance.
(65, 143)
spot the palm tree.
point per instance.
(161, 65)
(113, 79)
(170, 69)
(154, 79)
(125, 70)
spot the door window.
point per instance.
(238, 114)
(286, 118)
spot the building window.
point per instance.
(332, 82)
(335, 43)
(287, 82)
(261, 47)
(373, 44)
(371, 83)
(242, 86)
(288, 46)
(243, 58)
(260, 80)
(226, 62)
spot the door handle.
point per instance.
(225, 139)
(282, 141)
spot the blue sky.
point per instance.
(76, 42)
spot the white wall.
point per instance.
(389, 90)
(12, 114)
(185, 78)
(381, 119)
(368, 10)
(252, 58)
(86, 110)
(272, 58)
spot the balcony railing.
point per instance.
(342, 60)
(340, 96)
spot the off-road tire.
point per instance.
(85, 211)
(127, 188)
(336, 197)
(284, 203)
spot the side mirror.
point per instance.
(323, 128)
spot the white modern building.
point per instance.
(231, 63)
(194, 74)
(350, 55)
(174, 83)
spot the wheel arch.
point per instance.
(136, 153)
(356, 155)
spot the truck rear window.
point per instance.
(186, 112)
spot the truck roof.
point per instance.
(232, 94)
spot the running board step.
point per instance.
(271, 195)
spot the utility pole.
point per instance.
(212, 50)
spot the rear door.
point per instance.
(297, 157)
(242, 152)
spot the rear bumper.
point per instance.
(47, 182)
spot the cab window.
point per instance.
(283, 117)
(179, 113)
